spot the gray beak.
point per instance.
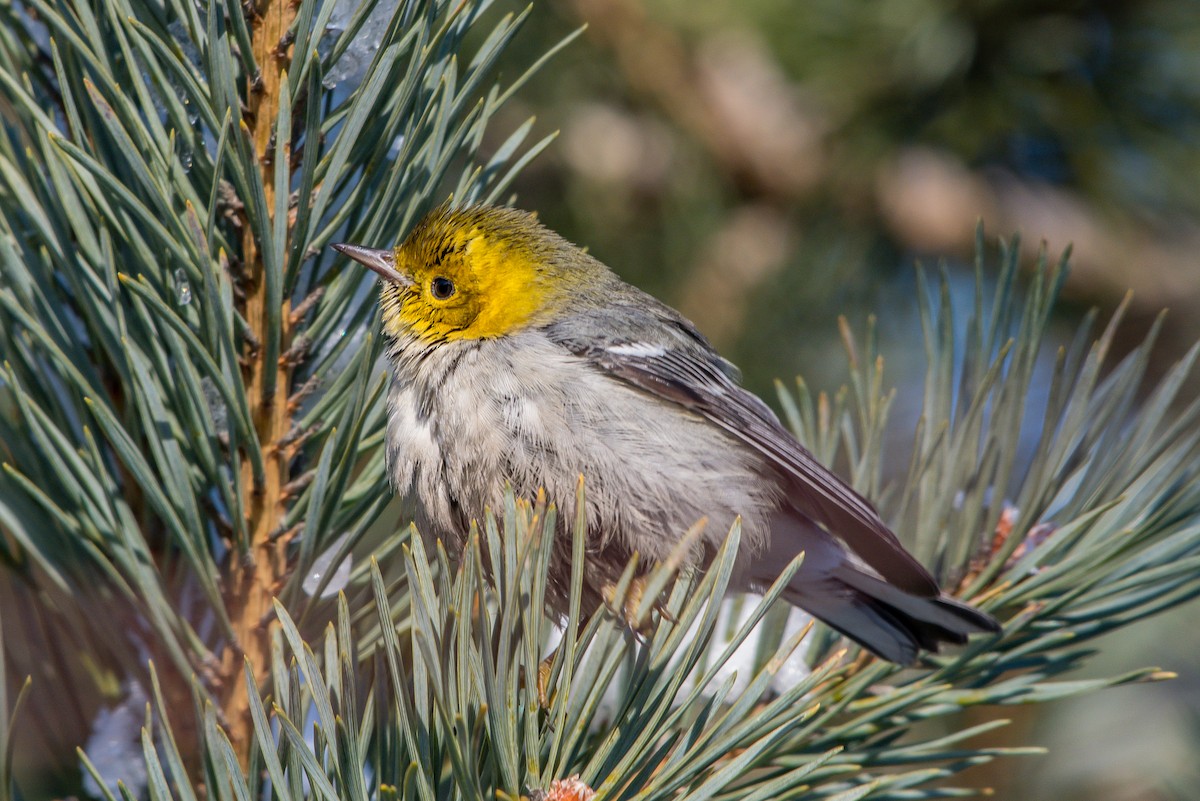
(382, 262)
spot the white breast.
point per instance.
(467, 418)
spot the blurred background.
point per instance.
(769, 165)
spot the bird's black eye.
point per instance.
(441, 288)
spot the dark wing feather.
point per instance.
(674, 362)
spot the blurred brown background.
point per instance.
(767, 165)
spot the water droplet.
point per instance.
(183, 290)
(216, 405)
(183, 153)
(321, 565)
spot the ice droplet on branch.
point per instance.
(348, 71)
(321, 566)
(183, 289)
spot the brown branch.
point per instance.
(929, 200)
(256, 577)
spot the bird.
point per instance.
(520, 361)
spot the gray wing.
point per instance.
(653, 348)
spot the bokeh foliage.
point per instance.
(767, 167)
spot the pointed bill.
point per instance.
(382, 262)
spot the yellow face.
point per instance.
(467, 282)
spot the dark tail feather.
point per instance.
(887, 621)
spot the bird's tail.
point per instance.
(887, 621)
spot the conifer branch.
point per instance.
(257, 576)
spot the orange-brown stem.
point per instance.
(254, 580)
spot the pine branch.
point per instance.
(169, 194)
(257, 576)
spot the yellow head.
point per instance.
(473, 273)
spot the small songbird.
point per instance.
(520, 360)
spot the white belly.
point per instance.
(468, 418)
